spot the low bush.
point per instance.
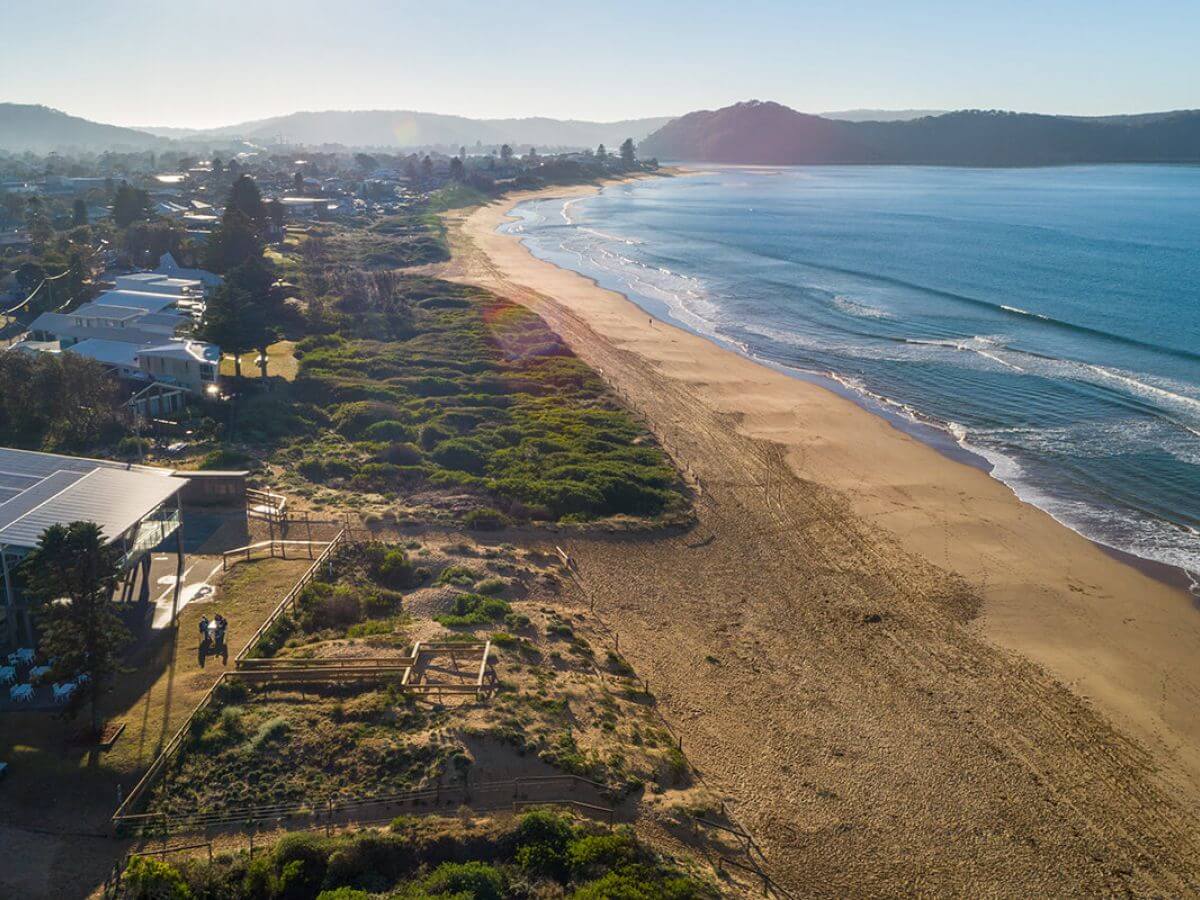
(474, 609)
(485, 519)
(542, 855)
(225, 459)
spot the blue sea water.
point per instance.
(1046, 319)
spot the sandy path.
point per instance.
(864, 709)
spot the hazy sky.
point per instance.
(138, 62)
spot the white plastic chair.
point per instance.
(21, 693)
(63, 691)
(8, 674)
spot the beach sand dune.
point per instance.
(905, 680)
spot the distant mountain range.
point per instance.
(403, 128)
(39, 129)
(749, 133)
(761, 133)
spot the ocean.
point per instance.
(1046, 320)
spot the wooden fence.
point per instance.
(289, 599)
(361, 809)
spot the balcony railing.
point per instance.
(152, 531)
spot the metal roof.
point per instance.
(38, 490)
(145, 301)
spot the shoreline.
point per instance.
(1118, 634)
(931, 433)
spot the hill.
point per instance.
(881, 115)
(40, 129)
(755, 132)
(405, 128)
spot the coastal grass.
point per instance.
(480, 397)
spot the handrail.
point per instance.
(290, 597)
(334, 803)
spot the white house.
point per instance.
(168, 266)
(190, 364)
(157, 283)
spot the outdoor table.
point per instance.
(63, 692)
(21, 693)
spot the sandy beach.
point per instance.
(904, 678)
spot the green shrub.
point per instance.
(131, 446)
(640, 883)
(485, 519)
(432, 435)
(225, 459)
(153, 879)
(260, 880)
(377, 604)
(389, 430)
(460, 454)
(394, 570)
(271, 730)
(593, 854)
(474, 609)
(404, 454)
(475, 880)
(300, 860)
(353, 419)
(344, 893)
(460, 575)
(490, 587)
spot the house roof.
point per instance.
(186, 350)
(106, 311)
(146, 301)
(62, 326)
(114, 353)
(155, 283)
(38, 490)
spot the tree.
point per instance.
(83, 636)
(462, 153)
(366, 162)
(456, 169)
(298, 183)
(146, 242)
(37, 220)
(246, 198)
(506, 153)
(531, 157)
(601, 153)
(130, 204)
(238, 316)
(29, 276)
(233, 242)
(79, 213)
(228, 323)
(627, 153)
(427, 167)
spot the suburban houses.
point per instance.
(140, 329)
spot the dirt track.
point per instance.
(834, 688)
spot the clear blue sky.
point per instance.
(199, 64)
